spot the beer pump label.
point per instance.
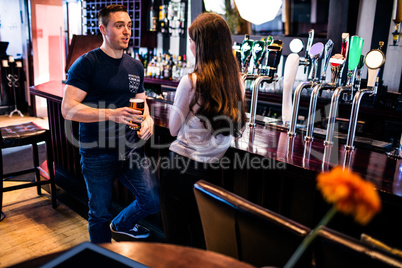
(245, 49)
(270, 40)
(258, 48)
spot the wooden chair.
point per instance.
(334, 249)
(25, 134)
(238, 228)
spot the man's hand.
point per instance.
(125, 115)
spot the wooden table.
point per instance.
(157, 255)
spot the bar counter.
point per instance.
(268, 168)
(275, 144)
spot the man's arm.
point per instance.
(73, 109)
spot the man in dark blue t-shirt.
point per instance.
(98, 88)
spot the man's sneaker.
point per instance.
(138, 231)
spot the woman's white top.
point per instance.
(194, 140)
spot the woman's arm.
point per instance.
(181, 105)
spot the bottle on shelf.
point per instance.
(151, 68)
(183, 69)
(172, 67)
(160, 66)
(184, 61)
(155, 71)
(167, 68)
(137, 55)
(152, 17)
(176, 68)
(163, 21)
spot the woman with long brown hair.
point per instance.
(208, 111)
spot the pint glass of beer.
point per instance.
(137, 104)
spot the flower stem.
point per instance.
(309, 238)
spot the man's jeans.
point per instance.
(99, 172)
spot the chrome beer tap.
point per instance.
(354, 56)
(315, 53)
(268, 75)
(327, 56)
(246, 54)
(314, 95)
(358, 73)
(258, 49)
(296, 102)
(332, 113)
(248, 77)
(374, 59)
(307, 60)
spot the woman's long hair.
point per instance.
(218, 90)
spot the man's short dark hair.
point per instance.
(103, 14)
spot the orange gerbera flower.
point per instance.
(350, 194)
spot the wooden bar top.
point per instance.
(384, 172)
(54, 89)
(50, 90)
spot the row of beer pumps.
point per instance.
(260, 60)
(259, 63)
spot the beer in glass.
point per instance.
(137, 104)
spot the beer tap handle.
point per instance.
(245, 52)
(309, 43)
(355, 51)
(315, 54)
(359, 69)
(289, 75)
(296, 45)
(374, 59)
(345, 45)
(337, 61)
(372, 77)
(344, 53)
(327, 55)
(308, 47)
(274, 56)
(257, 51)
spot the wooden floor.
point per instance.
(33, 228)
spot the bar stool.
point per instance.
(25, 134)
